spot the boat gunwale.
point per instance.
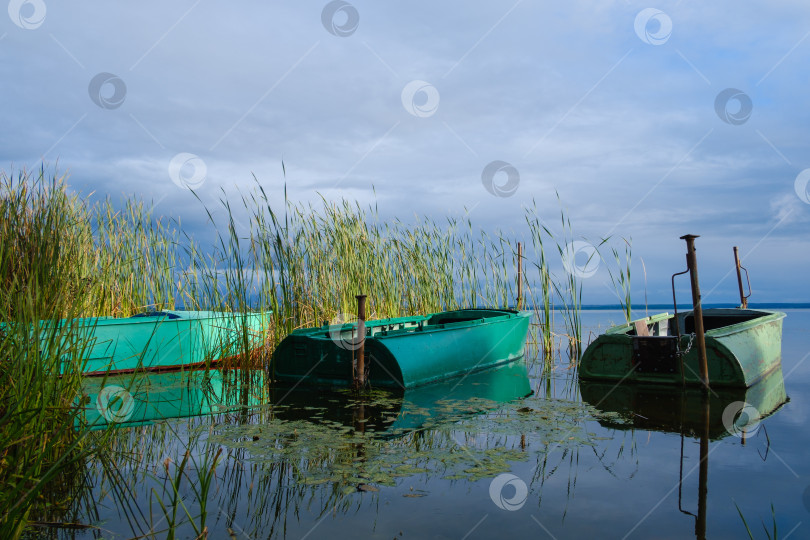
(370, 323)
(326, 332)
(767, 316)
(104, 321)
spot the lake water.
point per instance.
(464, 459)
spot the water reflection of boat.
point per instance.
(395, 411)
(680, 410)
(703, 415)
(145, 398)
(742, 346)
(406, 351)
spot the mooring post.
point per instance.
(360, 360)
(743, 298)
(519, 275)
(697, 309)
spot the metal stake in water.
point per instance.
(519, 275)
(697, 309)
(360, 360)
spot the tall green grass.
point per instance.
(305, 262)
(42, 230)
(621, 278)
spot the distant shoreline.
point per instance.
(752, 305)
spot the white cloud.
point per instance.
(605, 115)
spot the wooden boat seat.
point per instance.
(641, 328)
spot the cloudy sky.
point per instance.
(650, 120)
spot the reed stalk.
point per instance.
(621, 279)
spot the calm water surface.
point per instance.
(464, 459)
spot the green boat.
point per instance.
(139, 399)
(742, 346)
(406, 351)
(156, 340)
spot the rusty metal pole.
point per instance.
(697, 309)
(360, 360)
(743, 298)
(520, 276)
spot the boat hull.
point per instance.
(405, 352)
(742, 346)
(164, 341)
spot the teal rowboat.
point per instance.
(742, 346)
(157, 340)
(407, 351)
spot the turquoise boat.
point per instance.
(159, 340)
(407, 351)
(145, 398)
(742, 347)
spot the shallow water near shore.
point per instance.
(514, 449)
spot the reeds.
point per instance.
(63, 258)
(39, 281)
(543, 304)
(306, 263)
(621, 279)
(772, 534)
